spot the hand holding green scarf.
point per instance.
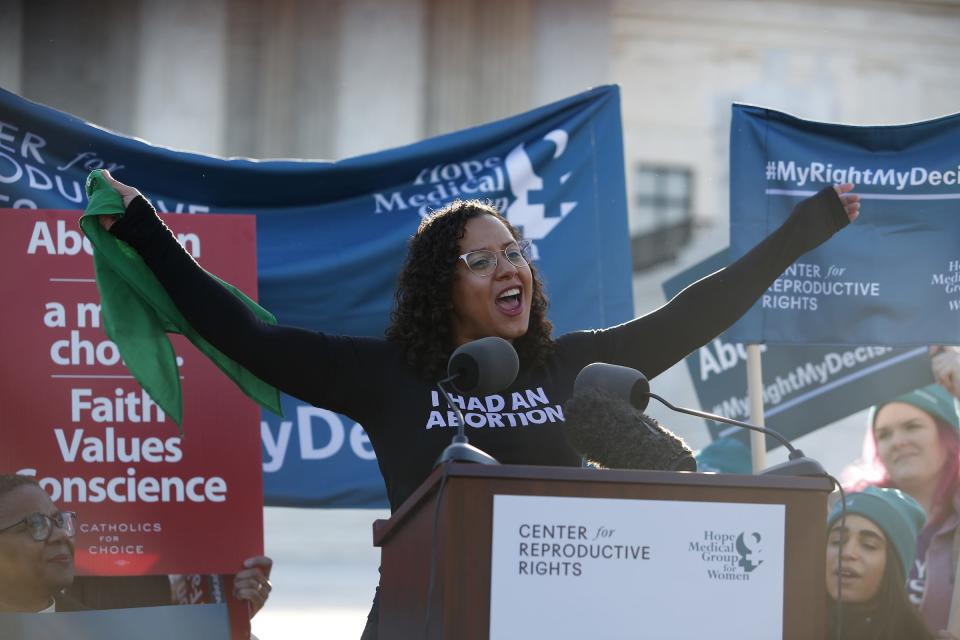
(137, 313)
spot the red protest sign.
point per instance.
(149, 501)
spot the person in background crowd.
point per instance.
(36, 549)
(37, 569)
(876, 544)
(912, 443)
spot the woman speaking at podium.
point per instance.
(466, 276)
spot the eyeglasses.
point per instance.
(40, 525)
(484, 262)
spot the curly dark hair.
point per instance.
(421, 321)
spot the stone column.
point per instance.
(11, 42)
(381, 93)
(478, 63)
(572, 48)
(282, 78)
(180, 87)
(81, 61)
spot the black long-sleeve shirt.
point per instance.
(369, 380)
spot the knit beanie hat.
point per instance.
(726, 455)
(898, 515)
(933, 399)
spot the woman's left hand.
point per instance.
(253, 582)
(851, 201)
(127, 194)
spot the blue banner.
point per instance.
(893, 277)
(804, 387)
(331, 236)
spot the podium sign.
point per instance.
(489, 552)
(552, 556)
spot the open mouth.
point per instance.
(509, 300)
(846, 575)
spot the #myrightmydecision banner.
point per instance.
(893, 277)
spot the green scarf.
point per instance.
(137, 313)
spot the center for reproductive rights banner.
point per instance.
(567, 568)
(149, 501)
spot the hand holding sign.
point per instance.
(946, 368)
(253, 583)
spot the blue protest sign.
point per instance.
(893, 277)
(185, 622)
(331, 236)
(804, 387)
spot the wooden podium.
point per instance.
(455, 535)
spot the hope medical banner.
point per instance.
(804, 387)
(893, 277)
(331, 236)
(149, 501)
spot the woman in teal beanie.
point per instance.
(876, 543)
(912, 444)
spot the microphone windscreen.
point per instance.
(606, 430)
(484, 366)
(625, 383)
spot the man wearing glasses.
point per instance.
(36, 548)
(36, 562)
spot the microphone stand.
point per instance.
(798, 464)
(460, 449)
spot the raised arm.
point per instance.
(302, 363)
(660, 339)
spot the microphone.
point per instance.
(608, 431)
(478, 368)
(632, 387)
(625, 383)
(483, 366)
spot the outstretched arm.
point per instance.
(660, 339)
(299, 362)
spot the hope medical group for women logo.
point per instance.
(729, 556)
(527, 184)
